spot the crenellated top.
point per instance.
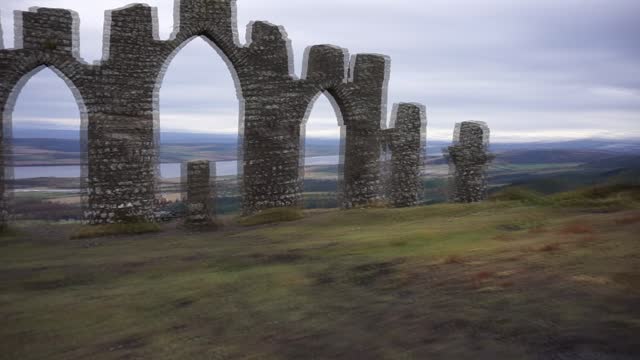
(131, 24)
(408, 122)
(470, 144)
(326, 64)
(49, 30)
(205, 13)
(368, 67)
(133, 51)
(269, 51)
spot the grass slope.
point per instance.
(514, 279)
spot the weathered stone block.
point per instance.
(197, 12)
(370, 68)
(47, 30)
(200, 193)
(326, 64)
(468, 161)
(405, 141)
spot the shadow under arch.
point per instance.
(183, 41)
(7, 131)
(337, 109)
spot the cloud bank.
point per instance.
(533, 70)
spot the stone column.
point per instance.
(361, 101)
(468, 161)
(200, 193)
(273, 112)
(406, 155)
(120, 134)
(4, 208)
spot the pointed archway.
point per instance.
(198, 119)
(321, 156)
(44, 129)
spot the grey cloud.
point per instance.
(529, 65)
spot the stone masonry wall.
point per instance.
(405, 141)
(468, 159)
(200, 193)
(118, 97)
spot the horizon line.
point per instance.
(494, 139)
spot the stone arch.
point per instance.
(329, 95)
(119, 96)
(237, 88)
(160, 83)
(17, 80)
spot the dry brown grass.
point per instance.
(479, 278)
(271, 216)
(503, 237)
(594, 280)
(588, 238)
(506, 284)
(537, 230)
(264, 286)
(94, 231)
(483, 275)
(628, 220)
(577, 228)
(398, 243)
(549, 247)
(378, 204)
(453, 259)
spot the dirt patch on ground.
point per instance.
(126, 344)
(278, 258)
(367, 274)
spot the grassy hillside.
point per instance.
(521, 277)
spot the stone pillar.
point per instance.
(273, 112)
(468, 161)
(5, 156)
(406, 155)
(200, 193)
(4, 208)
(120, 133)
(362, 106)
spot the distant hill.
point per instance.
(623, 145)
(45, 134)
(612, 145)
(552, 156)
(178, 146)
(596, 158)
(62, 145)
(615, 162)
(567, 181)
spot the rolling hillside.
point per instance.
(529, 278)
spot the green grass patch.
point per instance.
(93, 231)
(271, 216)
(462, 280)
(602, 196)
(616, 195)
(8, 232)
(517, 193)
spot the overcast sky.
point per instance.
(532, 69)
